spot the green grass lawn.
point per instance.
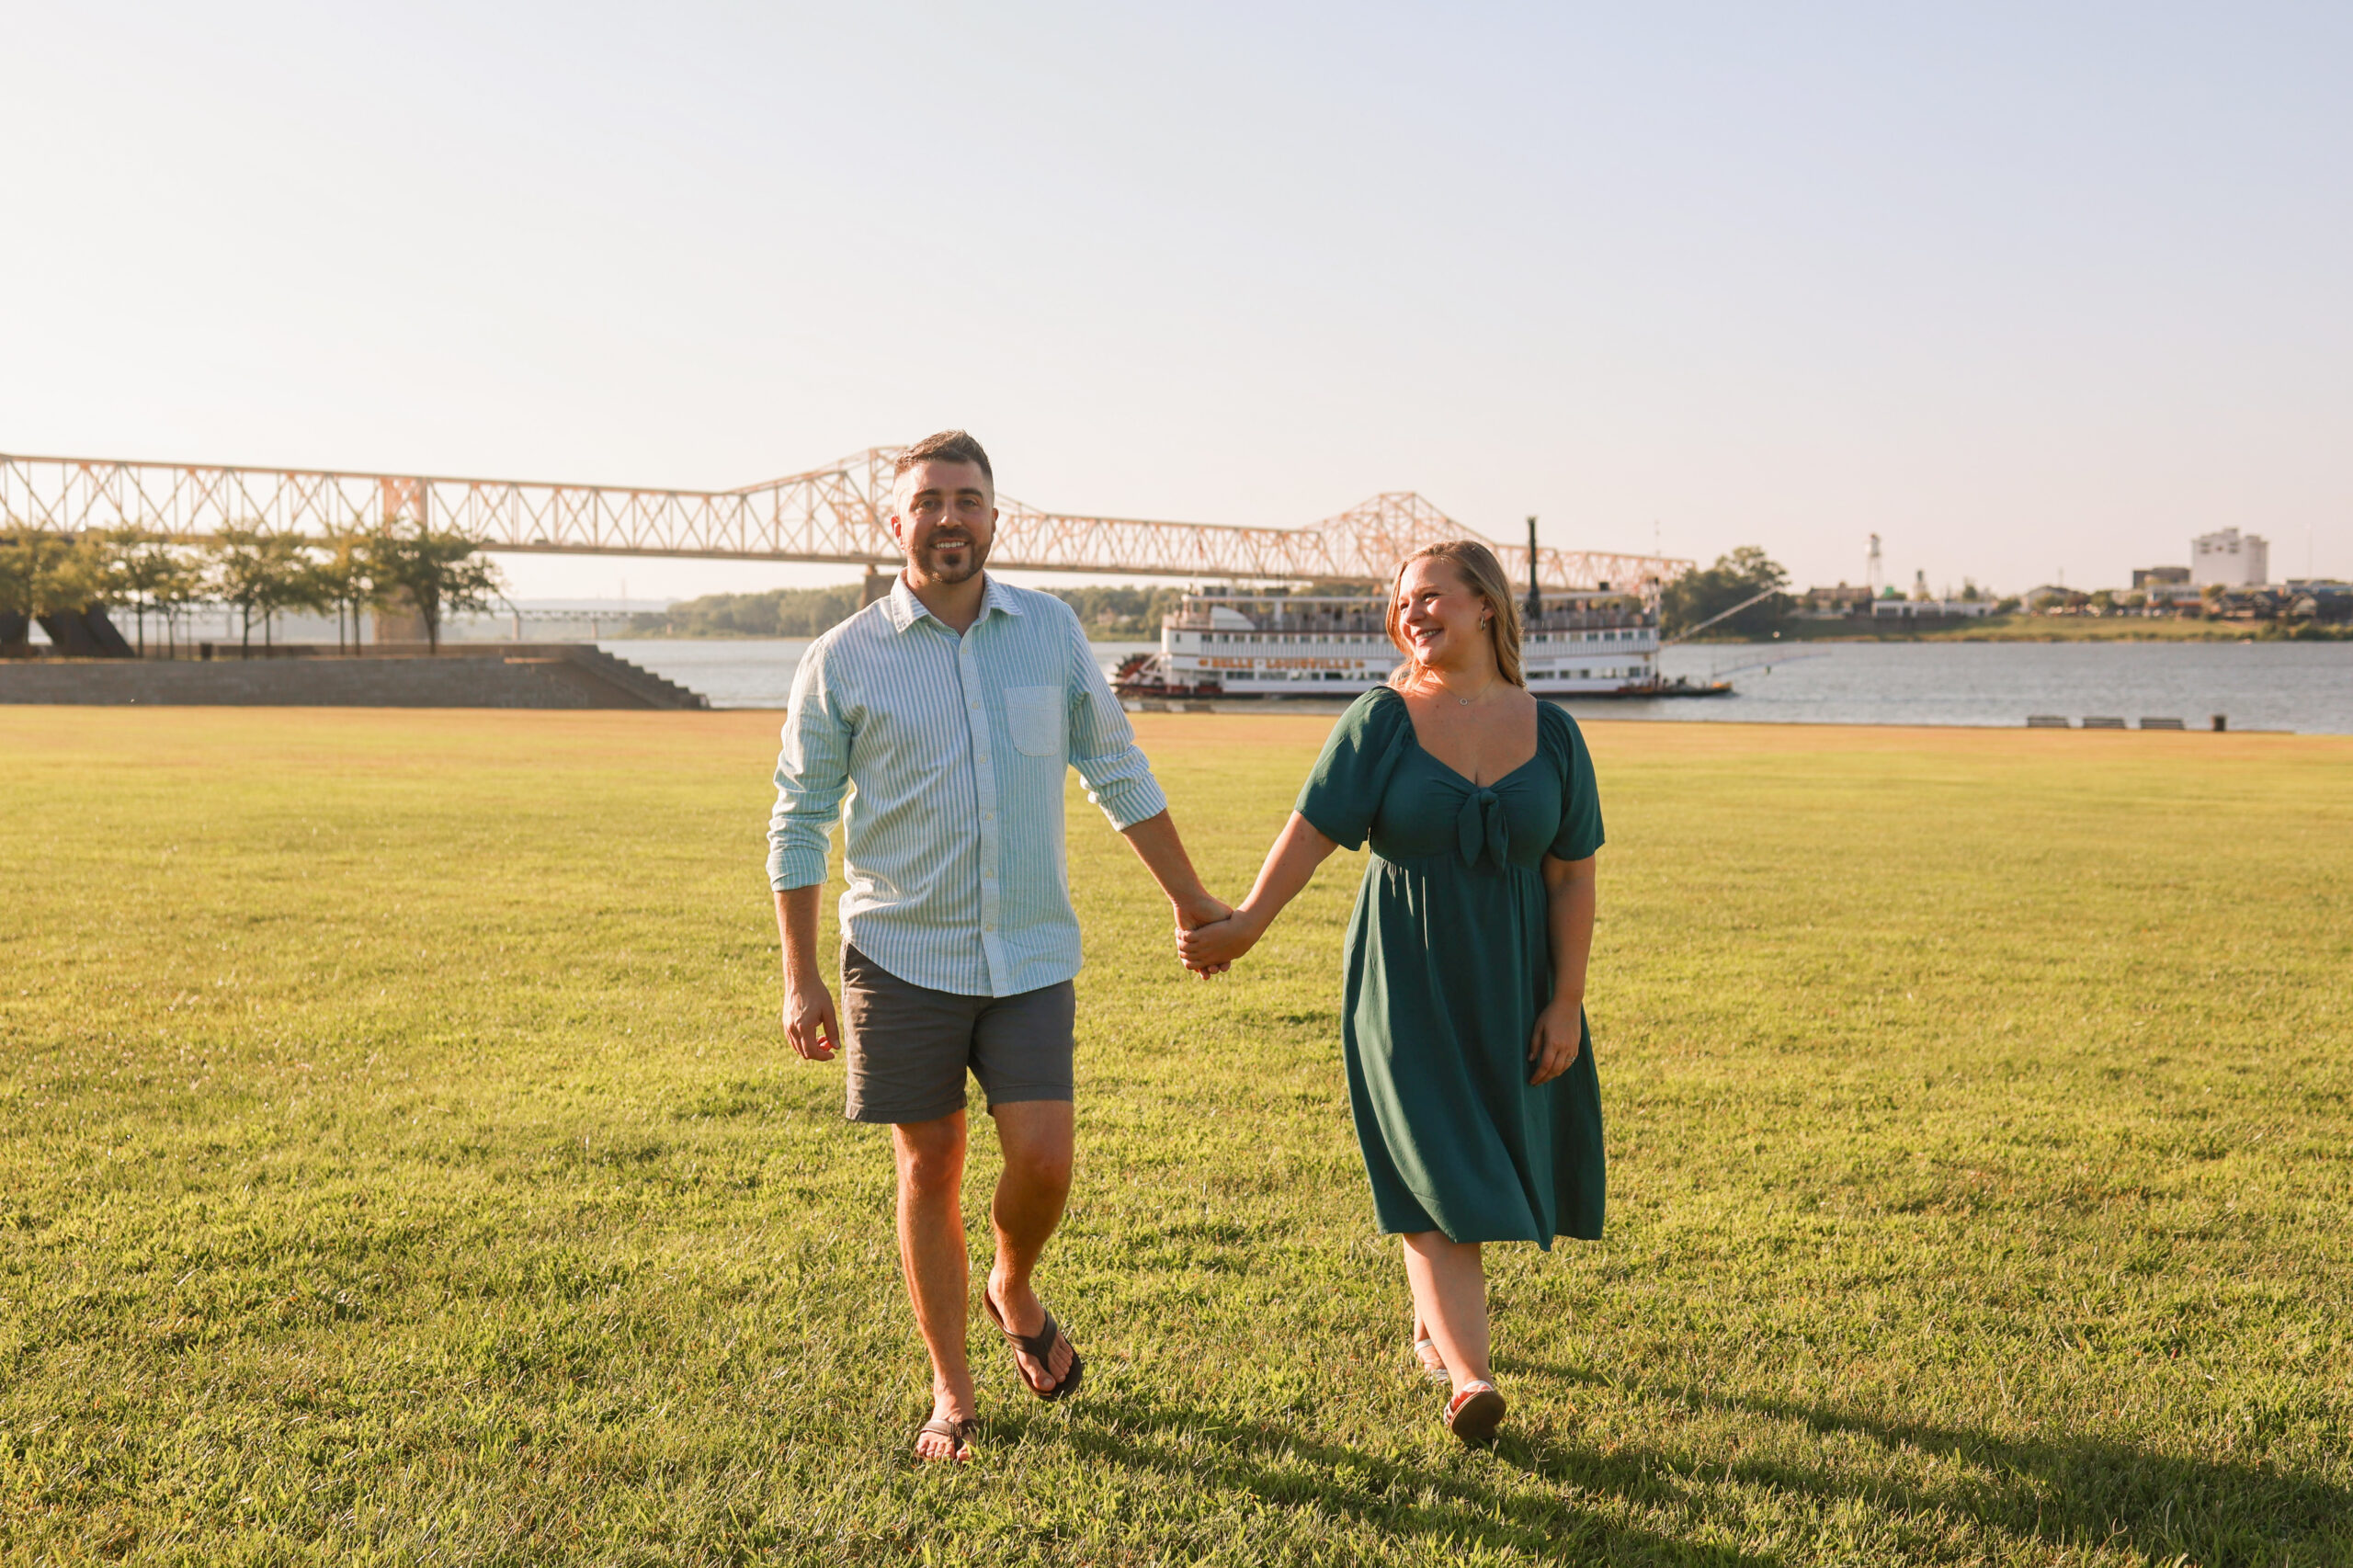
(402, 1163)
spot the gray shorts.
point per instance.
(909, 1047)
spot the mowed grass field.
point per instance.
(402, 1164)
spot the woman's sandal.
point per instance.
(1039, 1348)
(1433, 1369)
(957, 1430)
(1474, 1413)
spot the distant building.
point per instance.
(1829, 603)
(1930, 610)
(2229, 559)
(2154, 576)
(2320, 599)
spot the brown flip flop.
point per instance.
(1039, 1348)
(957, 1430)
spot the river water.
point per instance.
(2305, 687)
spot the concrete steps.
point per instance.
(567, 676)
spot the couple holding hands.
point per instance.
(948, 710)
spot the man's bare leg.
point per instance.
(1038, 1139)
(931, 1255)
(1451, 1300)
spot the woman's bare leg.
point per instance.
(1451, 1300)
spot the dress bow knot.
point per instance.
(1483, 826)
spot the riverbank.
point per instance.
(2056, 628)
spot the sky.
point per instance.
(2035, 292)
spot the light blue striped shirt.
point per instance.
(952, 750)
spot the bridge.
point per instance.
(834, 513)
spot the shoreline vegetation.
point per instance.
(1109, 615)
(2031, 628)
(1132, 615)
(404, 1164)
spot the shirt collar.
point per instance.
(905, 610)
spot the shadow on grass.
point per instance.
(2063, 1491)
(2066, 1493)
(1448, 1505)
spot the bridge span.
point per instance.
(833, 514)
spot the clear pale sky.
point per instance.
(2024, 288)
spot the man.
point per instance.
(950, 708)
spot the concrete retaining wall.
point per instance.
(541, 681)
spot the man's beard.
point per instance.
(975, 552)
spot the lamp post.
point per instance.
(1535, 592)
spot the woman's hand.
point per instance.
(1559, 1031)
(1191, 914)
(1212, 947)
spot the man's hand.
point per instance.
(1559, 1032)
(1212, 948)
(1192, 914)
(809, 1021)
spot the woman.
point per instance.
(1470, 1070)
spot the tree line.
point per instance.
(1127, 613)
(432, 573)
(1746, 573)
(1117, 612)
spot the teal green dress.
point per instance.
(1449, 963)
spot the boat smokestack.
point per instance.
(1535, 592)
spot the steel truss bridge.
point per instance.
(832, 514)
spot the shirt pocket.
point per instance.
(1034, 714)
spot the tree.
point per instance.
(44, 573)
(143, 569)
(345, 577)
(1697, 596)
(438, 570)
(261, 573)
(180, 585)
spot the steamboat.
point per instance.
(1220, 644)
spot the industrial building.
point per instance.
(2229, 558)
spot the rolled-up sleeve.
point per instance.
(812, 772)
(1102, 743)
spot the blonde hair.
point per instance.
(1484, 575)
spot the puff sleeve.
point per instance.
(1342, 794)
(1580, 833)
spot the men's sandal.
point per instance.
(957, 1430)
(1039, 1348)
(1474, 1413)
(1434, 1371)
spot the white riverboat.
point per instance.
(1220, 644)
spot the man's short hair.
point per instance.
(948, 446)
